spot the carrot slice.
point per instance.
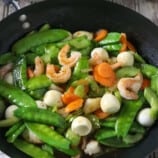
(131, 47)
(124, 42)
(108, 79)
(146, 83)
(69, 96)
(104, 70)
(75, 105)
(100, 114)
(30, 73)
(101, 34)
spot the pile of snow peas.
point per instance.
(75, 93)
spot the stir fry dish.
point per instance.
(75, 93)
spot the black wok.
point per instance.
(87, 15)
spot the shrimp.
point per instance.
(5, 69)
(39, 66)
(69, 61)
(129, 87)
(61, 77)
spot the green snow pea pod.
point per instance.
(80, 91)
(137, 128)
(40, 116)
(7, 58)
(115, 142)
(127, 71)
(48, 148)
(51, 54)
(31, 150)
(154, 83)
(112, 37)
(127, 115)
(105, 133)
(15, 95)
(49, 136)
(138, 58)
(72, 137)
(81, 69)
(26, 43)
(152, 99)
(38, 93)
(39, 50)
(13, 128)
(133, 138)
(41, 81)
(80, 42)
(12, 137)
(30, 58)
(94, 120)
(94, 89)
(20, 73)
(113, 47)
(44, 27)
(108, 123)
(148, 70)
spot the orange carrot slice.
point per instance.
(124, 42)
(100, 114)
(101, 34)
(131, 47)
(146, 83)
(108, 79)
(73, 106)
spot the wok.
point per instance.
(87, 15)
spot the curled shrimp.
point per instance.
(129, 87)
(61, 77)
(39, 66)
(5, 69)
(69, 61)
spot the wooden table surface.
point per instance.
(148, 8)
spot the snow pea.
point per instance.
(94, 120)
(154, 83)
(127, 115)
(20, 73)
(148, 70)
(152, 99)
(38, 93)
(38, 82)
(112, 37)
(81, 69)
(105, 133)
(128, 71)
(80, 91)
(72, 137)
(138, 58)
(48, 148)
(94, 89)
(31, 150)
(7, 58)
(49, 136)
(13, 128)
(113, 47)
(12, 137)
(26, 43)
(51, 54)
(115, 142)
(133, 138)
(44, 27)
(40, 116)
(15, 95)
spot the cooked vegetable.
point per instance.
(76, 92)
